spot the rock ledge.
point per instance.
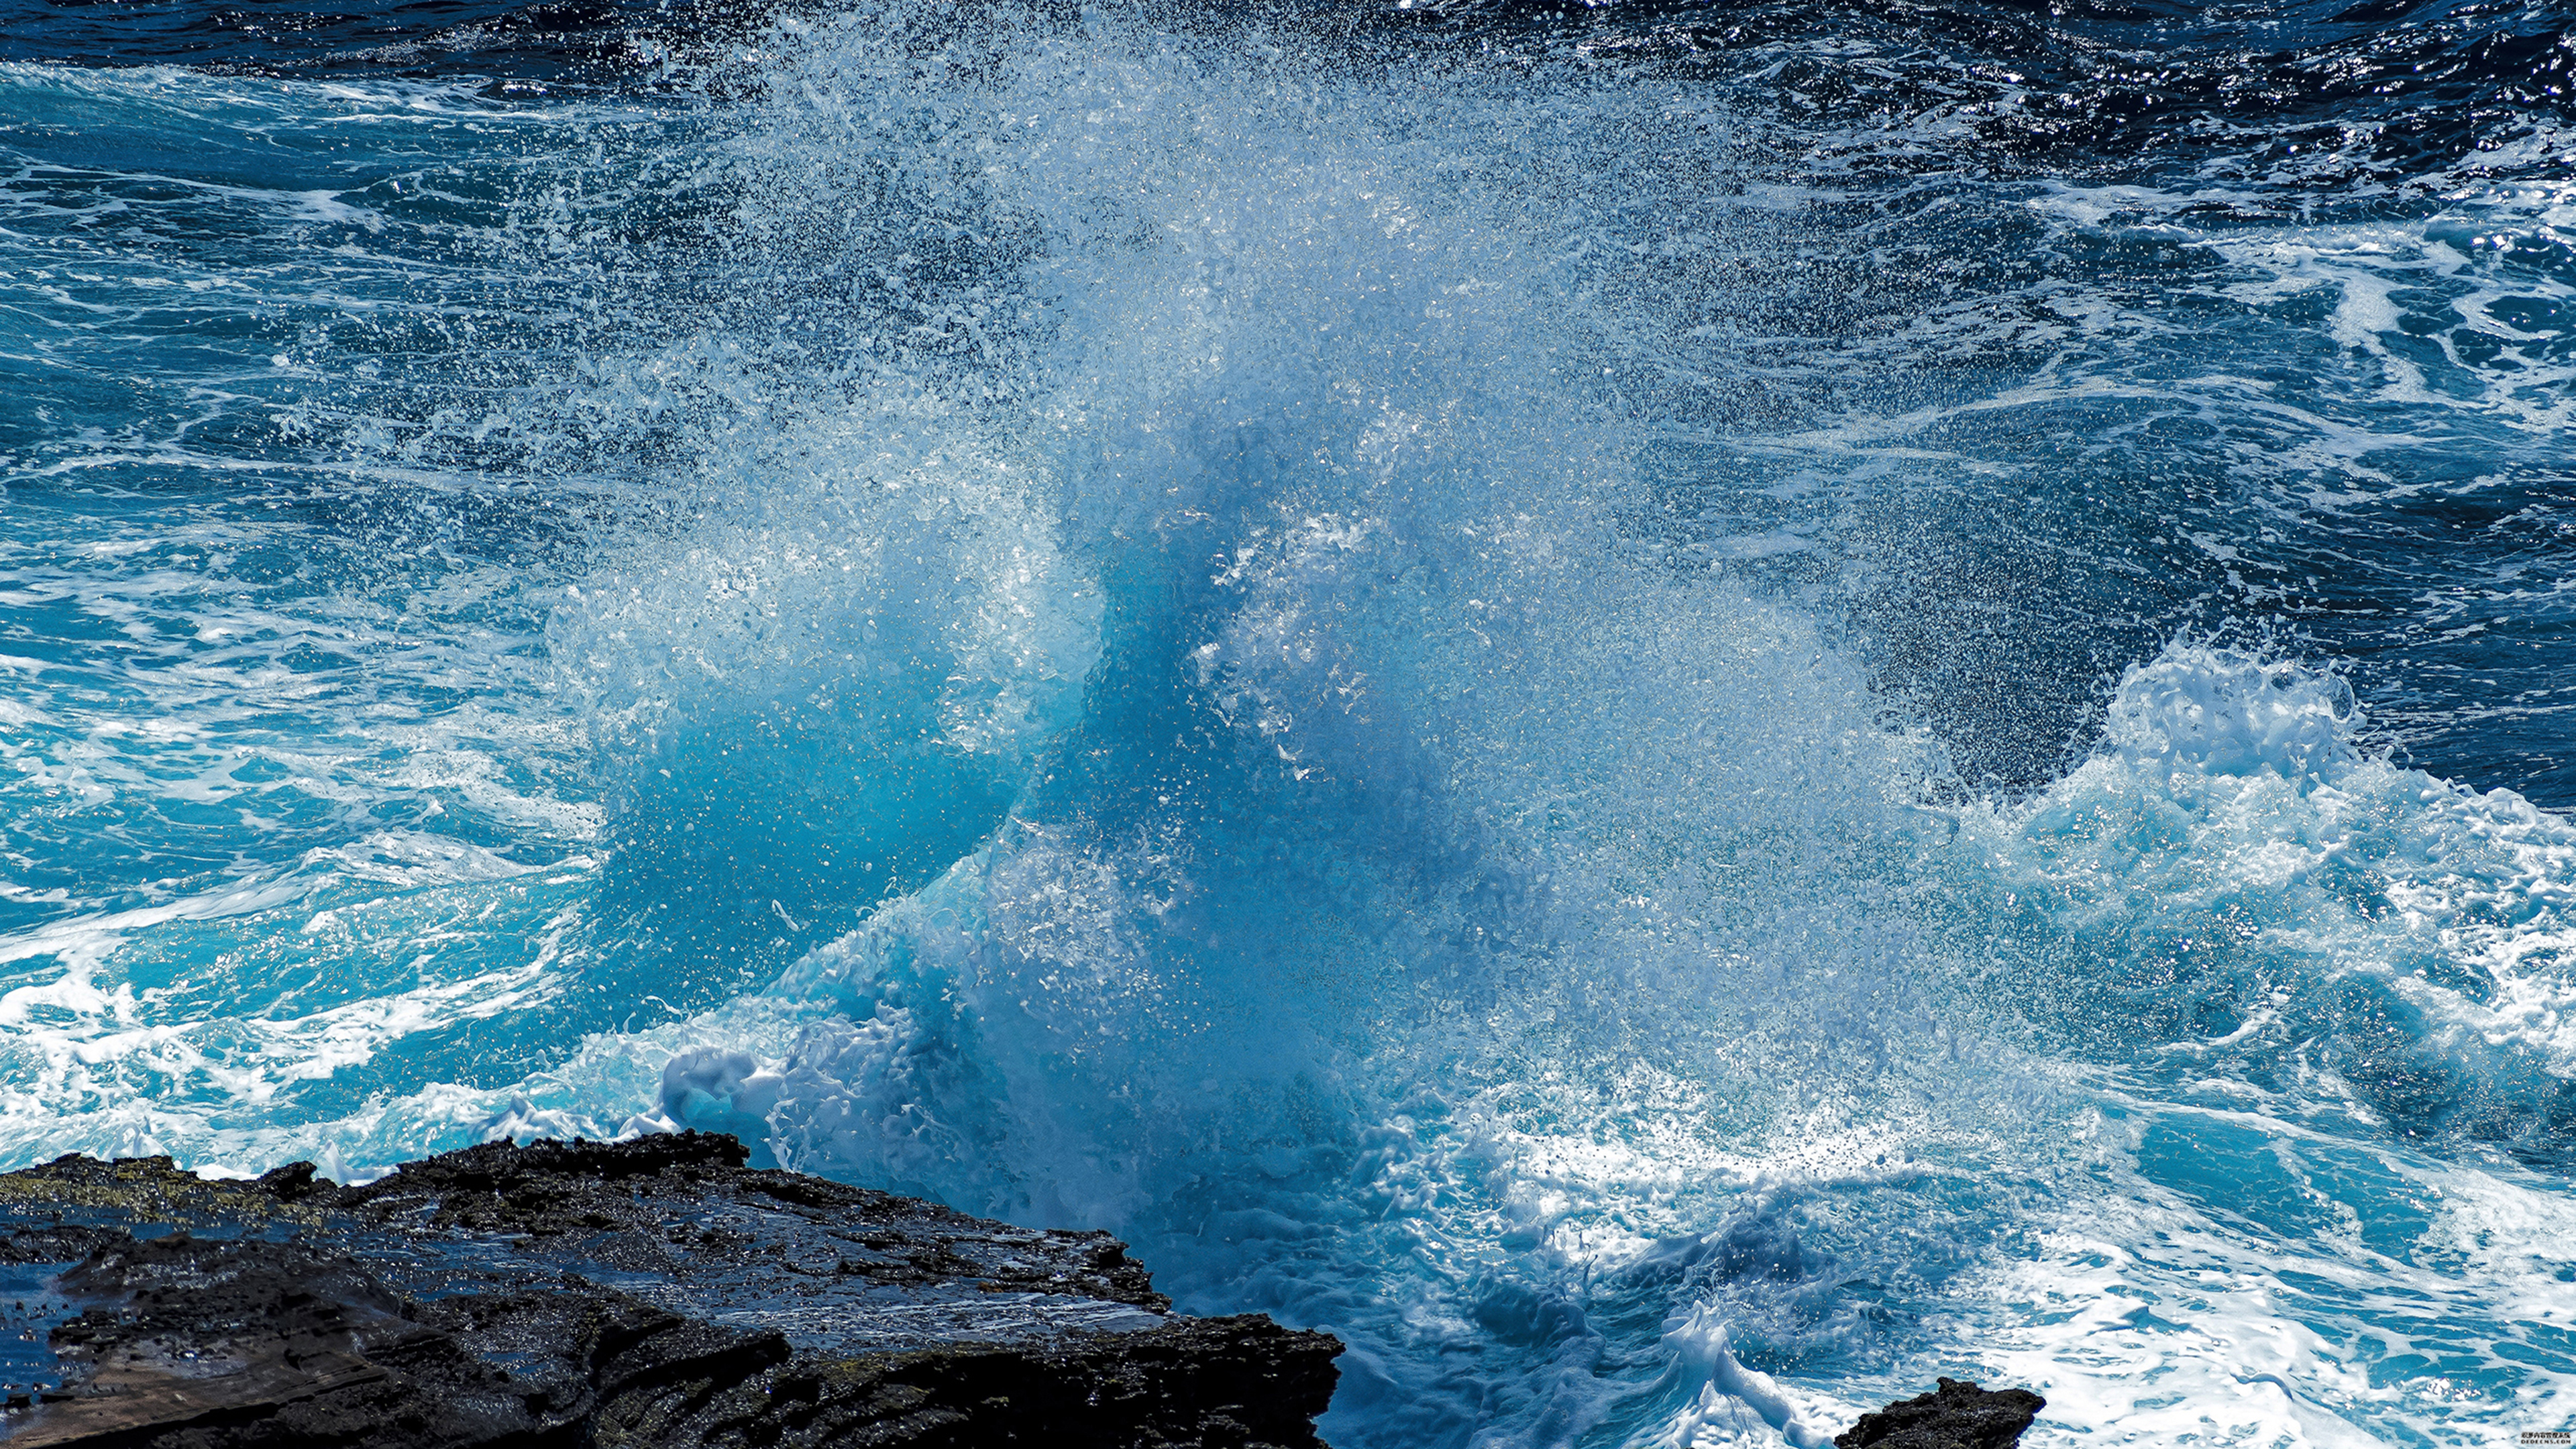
(650, 1292)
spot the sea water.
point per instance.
(1677, 713)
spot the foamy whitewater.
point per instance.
(1678, 715)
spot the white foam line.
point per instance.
(83, 936)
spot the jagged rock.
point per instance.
(652, 1292)
(1954, 1415)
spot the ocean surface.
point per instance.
(1679, 713)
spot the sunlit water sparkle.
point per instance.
(1679, 718)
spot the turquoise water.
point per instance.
(1678, 724)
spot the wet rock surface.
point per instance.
(1954, 1415)
(653, 1292)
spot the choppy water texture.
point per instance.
(1679, 714)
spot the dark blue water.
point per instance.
(1679, 713)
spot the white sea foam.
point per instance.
(1146, 621)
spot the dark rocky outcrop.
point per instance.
(655, 1292)
(1954, 1415)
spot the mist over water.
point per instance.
(1677, 714)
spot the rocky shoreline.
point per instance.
(652, 1292)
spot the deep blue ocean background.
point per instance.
(1678, 712)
